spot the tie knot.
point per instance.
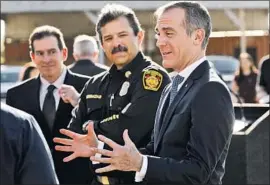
(51, 88)
(177, 80)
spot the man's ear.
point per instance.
(140, 36)
(65, 53)
(199, 36)
(95, 55)
(32, 56)
(75, 56)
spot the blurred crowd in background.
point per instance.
(238, 44)
(237, 47)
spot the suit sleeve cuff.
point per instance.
(139, 176)
(100, 146)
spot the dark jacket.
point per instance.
(87, 67)
(246, 84)
(193, 134)
(25, 96)
(25, 156)
(123, 99)
(264, 75)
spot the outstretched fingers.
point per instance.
(105, 169)
(64, 148)
(101, 159)
(109, 142)
(69, 133)
(103, 152)
(62, 141)
(70, 157)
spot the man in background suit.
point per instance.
(44, 97)
(22, 140)
(194, 120)
(85, 53)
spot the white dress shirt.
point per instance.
(45, 84)
(139, 176)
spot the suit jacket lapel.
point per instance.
(170, 110)
(197, 73)
(34, 94)
(62, 106)
(61, 102)
(161, 110)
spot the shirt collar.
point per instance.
(58, 82)
(134, 63)
(84, 61)
(189, 69)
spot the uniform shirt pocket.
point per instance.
(119, 103)
(94, 108)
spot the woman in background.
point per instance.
(245, 79)
(29, 71)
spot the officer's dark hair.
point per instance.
(112, 12)
(196, 17)
(46, 31)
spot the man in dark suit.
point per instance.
(85, 53)
(22, 140)
(195, 118)
(40, 97)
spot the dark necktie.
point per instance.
(49, 106)
(176, 81)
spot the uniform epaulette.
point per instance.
(151, 67)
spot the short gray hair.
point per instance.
(85, 45)
(196, 17)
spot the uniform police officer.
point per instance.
(126, 96)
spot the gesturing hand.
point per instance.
(79, 144)
(124, 158)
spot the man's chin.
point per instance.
(121, 62)
(167, 64)
(48, 74)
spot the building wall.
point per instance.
(19, 26)
(18, 52)
(229, 45)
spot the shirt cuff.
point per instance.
(100, 146)
(139, 176)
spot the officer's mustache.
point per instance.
(119, 48)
